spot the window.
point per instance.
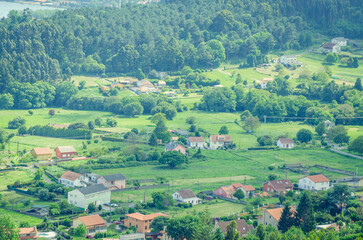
(145, 227)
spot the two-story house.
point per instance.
(65, 152)
(341, 41)
(272, 216)
(113, 181)
(219, 141)
(314, 182)
(82, 197)
(196, 142)
(72, 179)
(140, 221)
(186, 196)
(93, 223)
(42, 154)
(278, 186)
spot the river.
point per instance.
(6, 7)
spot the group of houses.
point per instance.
(62, 153)
(139, 87)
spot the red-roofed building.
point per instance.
(196, 142)
(93, 223)
(272, 216)
(28, 233)
(228, 191)
(314, 182)
(140, 221)
(278, 186)
(72, 179)
(285, 143)
(65, 152)
(219, 141)
(42, 153)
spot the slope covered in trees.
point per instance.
(164, 36)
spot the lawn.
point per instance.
(7, 178)
(17, 218)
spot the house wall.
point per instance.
(118, 183)
(307, 184)
(42, 157)
(76, 198)
(91, 230)
(267, 219)
(180, 149)
(141, 226)
(61, 155)
(193, 201)
(281, 145)
(221, 192)
(269, 188)
(215, 145)
(76, 183)
(340, 43)
(196, 144)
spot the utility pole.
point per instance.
(147, 136)
(264, 124)
(17, 148)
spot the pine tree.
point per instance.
(153, 141)
(286, 220)
(232, 233)
(304, 214)
(261, 232)
(358, 84)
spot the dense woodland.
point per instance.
(164, 36)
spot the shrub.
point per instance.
(16, 123)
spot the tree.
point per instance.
(232, 233)
(139, 74)
(182, 227)
(286, 220)
(172, 159)
(223, 130)
(91, 125)
(251, 124)
(162, 200)
(98, 121)
(304, 216)
(30, 112)
(43, 194)
(6, 101)
(67, 222)
(82, 84)
(80, 230)
(339, 195)
(159, 223)
(39, 174)
(261, 232)
(153, 141)
(358, 84)
(331, 58)
(22, 130)
(91, 207)
(205, 229)
(158, 117)
(265, 140)
(239, 194)
(16, 123)
(245, 114)
(238, 79)
(356, 145)
(51, 112)
(304, 135)
(341, 138)
(132, 109)
(8, 229)
(320, 129)
(190, 120)
(111, 122)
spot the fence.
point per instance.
(141, 187)
(142, 180)
(335, 170)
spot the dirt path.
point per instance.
(221, 70)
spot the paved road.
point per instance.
(336, 148)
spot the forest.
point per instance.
(163, 37)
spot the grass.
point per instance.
(17, 218)
(7, 178)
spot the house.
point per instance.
(42, 154)
(242, 227)
(140, 221)
(72, 179)
(285, 143)
(174, 146)
(174, 139)
(196, 142)
(219, 141)
(116, 181)
(116, 85)
(93, 223)
(65, 152)
(290, 60)
(272, 216)
(28, 233)
(162, 83)
(228, 191)
(104, 88)
(186, 196)
(331, 48)
(82, 197)
(342, 42)
(314, 182)
(93, 177)
(265, 81)
(278, 186)
(133, 236)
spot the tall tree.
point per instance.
(232, 233)
(304, 216)
(8, 230)
(286, 220)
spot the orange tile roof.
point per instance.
(237, 185)
(71, 175)
(196, 139)
(143, 217)
(27, 230)
(318, 178)
(92, 220)
(41, 151)
(277, 212)
(248, 188)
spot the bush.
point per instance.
(95, 141)
(16, 123)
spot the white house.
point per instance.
(82, 197)
(289, 60)
(331, 48)
(196, 142)
(314, 182)
(285, 143)
(340, 41)
(219, 141)
(186, 196)
(72, 179)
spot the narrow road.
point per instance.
(45, 177)
(336, 148)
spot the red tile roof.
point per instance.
(196, 139)
(42, 151)
(286, 140)
(143, 217)
(248, 188)
(242, 227)
(318, 178)
(280, 185)
(28, 230)
(277, 212)
(92, 220)
(221, 138)
(71, 175)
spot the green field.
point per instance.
(7, 178)
(17, 218)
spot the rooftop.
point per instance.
(221, 138)
(143, 217)
(114, 177)
(286, 140)
(242, 226)
(28, 230)
(40, 151)
(71, 175)
(196, 139)
(187, 193)
(280, 184)
(93, 189)
(318, 178)
(92, 220)
(329, 45)
(172, 145)
(64, 149)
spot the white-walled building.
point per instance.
(290, 60)
(186, 196)
(331, 48)
(219, 141)
(82, 197)
(196, 142)
(340, 41)
(314, 182)
(285, 143)
(72, 179)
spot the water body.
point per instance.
(6, 7)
